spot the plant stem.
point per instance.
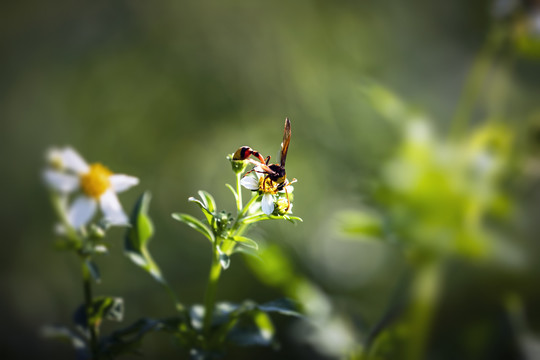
(210, 295)
(215, 269)
(87, 285)
(238, 193)
(475, 79)
(425, 295)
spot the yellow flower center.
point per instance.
(96, 181)
(266, 185)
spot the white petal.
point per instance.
(81, 211)
(73, 161)
(65, 183)
(259, 171)
(121, 182)
(267, 204)
(112, 209)
(250, 183)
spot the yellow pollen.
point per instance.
(266, 185)
(96, 181)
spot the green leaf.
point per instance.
(248, 252)
(102, 308)
(260, 217)
(128, 340)
(291, 218)
(254, 329)
(245, 241)
(282, 306)
(93, 270)
(207, 213)
(233, 192)
(208, 200)
(138, 236)
(195, 224)
(62, 333)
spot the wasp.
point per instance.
(275, 175)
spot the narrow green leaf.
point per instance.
(291, 218)
(249, 252)
(260, 217)
(93, 270)
(195, 224)
(64, 334)
(282, 306)
(138, 236)
(246, 241)
(209, 215)
(208, 200)
(233, 192)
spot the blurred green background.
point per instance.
(165, 90)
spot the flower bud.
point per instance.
(96, 231)
(238, 166)
(282, 207)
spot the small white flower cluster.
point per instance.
(68, 173)
(271, 196)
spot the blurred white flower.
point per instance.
(69, 172)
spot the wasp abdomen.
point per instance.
(244, 152)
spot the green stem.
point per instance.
(215, 269)
(87, 286)
(210, 295)
(238, 193)
(425, 295)
(476, 78)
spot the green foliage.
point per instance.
(101, 308)
(195, 224)
(138, 237)
(245, 241)
(92, 269)
(129, 339)
(64, 334)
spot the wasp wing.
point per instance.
(285, 143)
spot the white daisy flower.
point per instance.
(266, 187)
(99, 186)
